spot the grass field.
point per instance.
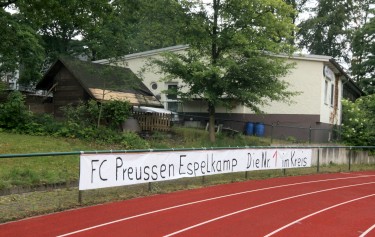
(20, 174)
(18, 206)
(41, 170)
(28, 172)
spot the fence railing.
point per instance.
(323, 159)
(292, 133)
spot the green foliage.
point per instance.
(183, 137)
(114, 113)
(3, 86)
(232, 62)
(156, 24)
(41, 125)
(82, 114)
(363, 56)
(13, 113)
(326, 32)
(358, 126)
(20, 48)
(130, 140)
(81, 122)
(59, 22)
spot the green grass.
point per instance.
(29, 173)
(39, 170)
(189, 137)
(18, 206)
(34, 171)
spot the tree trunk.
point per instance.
(211, 125)
(214, 57)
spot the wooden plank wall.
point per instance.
(153, 121)
(67, 91)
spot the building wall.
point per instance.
(311, 107)
(302, 128)
(306, 78)
(331, 99)
(137, 62)
(67, 91)
(39, 104)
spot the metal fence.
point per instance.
(324, 159)
(295, 134)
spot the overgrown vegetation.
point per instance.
(358, 127)
(64, 169)
(24, 132)
(81, 121)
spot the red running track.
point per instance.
(332, 205)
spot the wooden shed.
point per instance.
(71, 81)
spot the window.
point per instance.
(154, 86)
(172, 92)
(172, 106)
(172, 103)
(332, 93)
(326, 92)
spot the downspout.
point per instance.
(342, 96)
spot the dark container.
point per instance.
(249, 129)
(259, 129)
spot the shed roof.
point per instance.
(103, 82)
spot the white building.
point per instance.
(322, 84)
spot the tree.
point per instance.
(299, 7)
(231, 57)
(61, 23)
(363, 63)
(158, 25)
(135, 26)
(6, 3)
(20, 47)
(326, 33)
(109, 33)
(98, 29)
(358, 125)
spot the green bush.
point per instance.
(116, 112)
(13, 113)
(358, 125)
(93, 114)
(81, 121)
(130, 140)
(42, 125)
(81, 114)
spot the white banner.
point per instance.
(111, 170)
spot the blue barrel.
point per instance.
(259, 129)
(249, 129)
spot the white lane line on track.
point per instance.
(367, 231)
(261, 205)
(315, 213)
(208, 199)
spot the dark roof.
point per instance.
(349, 83)
(95, 77)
